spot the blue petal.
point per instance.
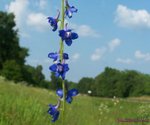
(63, 75)
(51, 112)
(66, 68)
(68, 30)
(57, 74)
(74, 36)
(55, 27)
(62, 34)
(70, 10)
(59, 92)
(53, 68)
(68, 42)
(73, 92)
(55, 116)
(73, 9)
(52, 109)
(53, 23)
(69, 99)
(69, 13)
(53, 56)
(65, 56)
(50, 19)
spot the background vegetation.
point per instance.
(111, 82)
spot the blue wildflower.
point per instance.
(59, 92)
(53, 21)
(53, 111)
(59, 69)
(69, 95)
(67, 35)
(70, 9)
(56, 55)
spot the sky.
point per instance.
(112, 33)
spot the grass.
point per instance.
(22, 105)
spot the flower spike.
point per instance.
(59, 66)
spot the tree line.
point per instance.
(12, 55)
(112, 82)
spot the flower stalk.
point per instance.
(60, 67)
(61, 57)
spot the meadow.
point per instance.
(26, 105)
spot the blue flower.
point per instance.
(67, 35)
(59, 69)
(56, 55)
(69, 95)
(53, 111)
(70, 9)
(53, 22)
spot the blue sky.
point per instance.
(112, 33)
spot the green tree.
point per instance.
(85, 84)
(38, 75)
(105, 82)
(33, 75)
(9, 41)
(12, 71)
(134, 83)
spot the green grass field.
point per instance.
(22, 105)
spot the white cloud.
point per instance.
(38, 21)
(98, 54)
(83, 30)
(75, 57)
(124, 61)
(126, 17)
(24, 35)
(19, 8)
(24, 16)
(87, 31)
(113, 44)
(42, 4)
(139, 55)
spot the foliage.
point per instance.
(12, 70)
(85, 84)
(33, 75)
(12, 55)
(112, 82)
(9, 41)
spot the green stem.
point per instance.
(63, 110)
(61, 57)
(62, 27)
